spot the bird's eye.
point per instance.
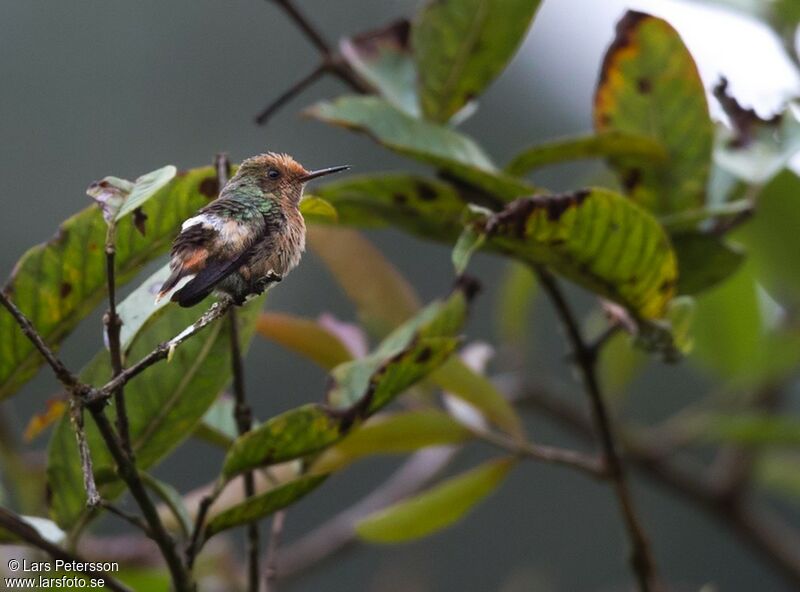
(273, 173)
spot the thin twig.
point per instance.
(13, 523)
(196, 539)
(113, 326)
(127, 517)
(161, 352)
(311, 33)
(181, 574)
(76, 418)
(276, 530)
(67, 378)
(294, 90)
(573, 459)
(771, 538)
(641, 556)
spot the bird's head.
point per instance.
(281, 175)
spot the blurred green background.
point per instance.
(96, 88)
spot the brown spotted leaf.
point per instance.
(597, 238)
(649, 85)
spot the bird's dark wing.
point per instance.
(212, 245)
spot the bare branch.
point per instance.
(76, 418)
(293, 91)
(13, 523)
(129, 518)
(67, 378)
(641, 558)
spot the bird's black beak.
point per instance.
(323, 172)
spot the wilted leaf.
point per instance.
(460, 46)
(383, 297)
(437, 145)
(597, 238)
(609, 144)
(315, 210)
(293, 434)
(766, 150)
(383, 58)
(649, 85)
(144, 188)
(396, 434)
(305, 337)
(432, 510)
(165, 404)
(261, 506)
(110, 193)
(703, 261)
(58, 283)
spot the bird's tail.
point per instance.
(170, 284)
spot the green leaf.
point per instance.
(315, 210)
(704, 261)
(261, 506)
(218, 425)
(428, 208)
(144, 188)
(772, 236)
(170, 496)
(469, 242)
(139, 308)
(649, 85)
(383, 58)
(597, 238)
(619, 363)
(735, 338)
(165, 404)
(383, 297)
(378, 379)
(293, 434)
(460, 46)
(461, 381)
(780, 473)
(396, 434)
(427, 142)
(436, 508)
(305, 337)
(58, 283)
(609, 144)
(752, 429)
(514, 303)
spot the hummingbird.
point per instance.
(248, 238)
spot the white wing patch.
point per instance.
(207, 220)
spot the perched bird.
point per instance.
(251, 236)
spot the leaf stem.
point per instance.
(642, 561)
